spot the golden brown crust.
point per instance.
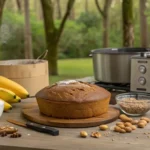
(78, 92)
(68, 110)
(73, 100)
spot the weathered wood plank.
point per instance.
(69, 137)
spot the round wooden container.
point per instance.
(32, 74)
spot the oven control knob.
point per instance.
(142, 69)
(142, 80)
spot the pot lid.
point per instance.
(124, 50)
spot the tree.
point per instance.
(2, 2)
(143, 23)
(27, 32)
(38, 9)
(72, 14)
(105, 15)
(19, 6)
(52, 33)
(86, 6)
(58, 9)
(127, 15)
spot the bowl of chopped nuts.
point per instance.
(133, 104)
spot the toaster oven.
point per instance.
(140, 73)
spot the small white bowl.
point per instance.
(1, 107)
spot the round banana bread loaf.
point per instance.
(72, 99)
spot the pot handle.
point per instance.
(147, 55)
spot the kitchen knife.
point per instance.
(36, 127)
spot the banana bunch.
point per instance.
(11, 92)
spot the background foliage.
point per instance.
(80, 35)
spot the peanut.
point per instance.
(83, 134)
(117, 129)
(143, 121)
(119, 123)
(141, 125)
(95, 134)
(134, 122)
(125, 118)
(121, 126)
(133, 127)
(103, 127)
(122, 131)
(128, 129)
(145, 118)
(127, 124)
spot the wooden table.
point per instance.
(69, 137)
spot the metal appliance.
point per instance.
(140, 73)
(113, 65)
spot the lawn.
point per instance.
(73, 69)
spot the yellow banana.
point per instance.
(6, 94)
(15, 100)
(14, 87)
(7, 106)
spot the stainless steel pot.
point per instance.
(113, 65)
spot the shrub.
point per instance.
(14, 41)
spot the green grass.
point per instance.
(73, 69)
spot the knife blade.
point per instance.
(36, 127)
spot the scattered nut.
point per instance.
(15, 135)
(121, 126)
(117, 129)
(127, 124)
(103, 127)
(128, 129)
(8, 129)
(95, 134)
(3, 134)
(122, 131)
(133, 127)
(141, 125)
(125, 118)
(4, 130)
(145, 118)
(119, 123)
(143, 121)
(83, 134)
(134, 122)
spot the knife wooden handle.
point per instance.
(42, 128)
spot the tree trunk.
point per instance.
(27, 32)
(52, 34)
(58, 9)
(2, 2)
(52, 59)
(143, 23)
(36, 8)
(128, 34)
(72, 14)
(105, 31)
(86, 6)
(105, 15)
(19, 6)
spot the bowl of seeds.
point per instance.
(133, 104)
